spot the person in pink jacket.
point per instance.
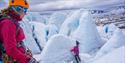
(75, 52)
(13, 49)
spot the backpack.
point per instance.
(4, 57)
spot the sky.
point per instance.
(45, 5)
(2, 4)
(68, 4)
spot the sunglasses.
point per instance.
(20, 9)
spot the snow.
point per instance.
(51, 29)
(116, 56)
(57, 50)
(29, 41)
(110, 30)
(87, 34)
(106, 31)
(102, 33)
(37, 57)
(70, 24)
(39, 32)
(57, 18)
(118, 11)
(58, 33)
(116, 41)
(35, 16)
(55, 21)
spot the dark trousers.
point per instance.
(77, 58)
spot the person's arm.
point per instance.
(8, 32)
(72, 49)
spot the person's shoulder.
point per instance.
(6, 21)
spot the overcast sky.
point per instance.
(43, 5)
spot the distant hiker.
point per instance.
(12, 48)
(75, 51)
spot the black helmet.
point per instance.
(77, 42)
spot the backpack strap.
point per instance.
(3, 16)
(17, 26)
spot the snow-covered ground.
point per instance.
(57, 50)
(29, 41)
(87, 34)
(54, 37)
(116, 56)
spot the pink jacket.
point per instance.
(75, 50)
(10, 40)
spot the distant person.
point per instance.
(75, 51)
(12, 48)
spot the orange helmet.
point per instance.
(22, 3)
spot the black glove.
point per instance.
(32, 60)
